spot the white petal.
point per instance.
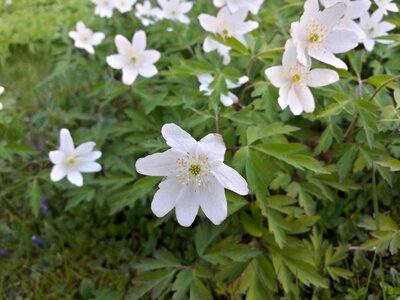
(123, 45)
(209, 44)
(212, 146)
(328, 58)
(75, 177)
(331, 15)
(289, 58)
(322, 77)
(57, 173)
(147, 70)
(129, 75)
(80, 26)
(139, 41)
(228, 100)
(277, 75)
(283, 99)
(369, 44)
(158, 164)
(92, 156)
(150, 56)
(294, 102)
(1, 90)
(186, 208)
(209, 23)
(340, 41)
(117, 61)
(56, 157)
(97, 38)
(85, 148)
(88, 167)
(306, 98)
(230, 179)
(176, 137)
(213, 202)
(66, 142)
(185, 7)
(165, 198)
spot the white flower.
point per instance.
(315, 35)
(1, 92)
(355, 9)
(196, 176)
(374, 28)
(133, 59)
(226, 24)
(85, 38)
(294, 79)
(227, 100)
(124, 6)
(252, 5)
(175, 10)
(8, 2)
(71, 162)
(104, 8)
(145, 13)
(386, 5)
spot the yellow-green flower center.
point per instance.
(314, 38)
(225, 32)
(296, 77)
(133, 59)
(195, 170)
(71, 161)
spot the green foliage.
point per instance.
(305, 230)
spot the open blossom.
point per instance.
(355, 9)
(85, 38)
(71, 162)
(104, 8)
(252, 5)
(294, 79)
(386, 5)
(146, 13)
(124, 6)
(374, 29)
(315, 35)
(1, 92)
(227, 100)
(133, 59)
(226, 24)
(196, 176)
(175, 10)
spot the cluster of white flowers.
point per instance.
(174, 10)
(195, 173)
(320, 34)
(227, 100)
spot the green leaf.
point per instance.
(34, 195)
(140, 189)
(255, 133)
(391, 163)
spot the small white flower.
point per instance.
(175, 10)
(355, 9)
(104, 8)
(374, 29)
(133, 59)
(196, 176)
(226, 24)
(85, 38)
(386, 5)
(252, 5)
(71, 162)
(8, 2)
(146, 14)
(315, 35)
(1, 92)
(227, 100)
(124, 6)
(294, 79)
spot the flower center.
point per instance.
(192, 170)
(133, 59)
(314, 38)
(195, 169)
(71, 161)
(296, 77)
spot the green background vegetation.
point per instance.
(317, 182)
